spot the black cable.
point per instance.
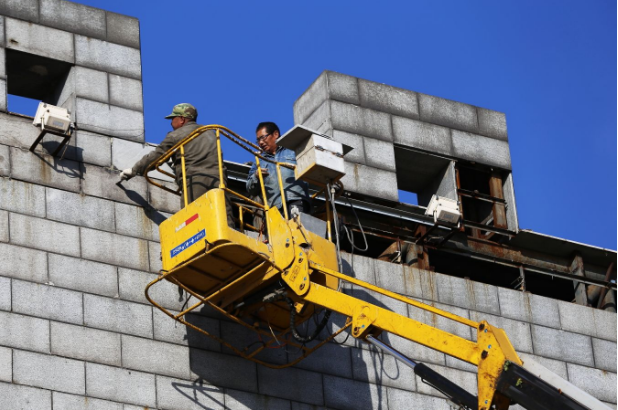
(316, 332)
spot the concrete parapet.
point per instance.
(34, 39)
(73, 17)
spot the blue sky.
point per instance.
(550, 66)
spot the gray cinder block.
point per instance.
(4, 226)
(70, 401)
(118, 316)
(126, 153)
(340, 393)
(423, 135)
(15, 131)
(225, 371)
(52, 303)
(359, 120)
(163, 200)
(189, 395)
(414, 350)
(5, 293)
(154, 256)
(599, 383)
(121, 385)
(83, 275)
(492, 124)
(449, 113)
(320, 119)
(168, 330)
(102, 182)
(528, 307)
(376, 367)
(291, 383)
(114, 249)
(13, 396)
(109, 119)
(355, 141)
(90, 84)
(382, 154)
(49, 372)
(80, 210)
(480, 149)
(389, 276)
(329, 85)
(73, 17)
(604, 354)
(468, 294)
(330, 359)
(24, 332)
(132, 284)
(587, 321)
(86, 344)
(393, 100)
(155, 357)
(429, 284)
(123, 30)
(6, 364)
(45, 170)
(2, 40)
(93, 148)
(370, 181)
(138, 222)
(240, 400)
(605, 323)
(45, 235)
(400, 399)
(125, 92)
(412, 282)
(21, 9)
(34, 39)
(561, 345)
(5, 164)
(23, 263)
(110, 57)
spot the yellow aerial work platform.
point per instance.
(272, 284)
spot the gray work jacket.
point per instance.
(200, 154)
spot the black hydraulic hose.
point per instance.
(447, 387)
(316, 332)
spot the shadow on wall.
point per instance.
(337, 375)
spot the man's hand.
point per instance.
(127, 174)
(264, 172)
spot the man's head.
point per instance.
(267, 134)
(182, 114)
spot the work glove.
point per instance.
(127, 174)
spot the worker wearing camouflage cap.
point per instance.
(201, 159)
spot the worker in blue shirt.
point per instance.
(296, 192)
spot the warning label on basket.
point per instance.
(186, 244)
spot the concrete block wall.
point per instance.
(76, 331)
(373, 117)
(103, 88)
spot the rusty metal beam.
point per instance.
(499, 209)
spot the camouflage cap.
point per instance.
(183, 110)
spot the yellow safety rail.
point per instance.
(225, 269)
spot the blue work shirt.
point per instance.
(294, 190)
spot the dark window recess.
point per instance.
(500, 275)
(34, 77)
(422, 174)
(480, 192)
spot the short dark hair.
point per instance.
(270, 127)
